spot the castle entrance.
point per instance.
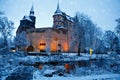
(30, 48)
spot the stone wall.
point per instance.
(49, 39)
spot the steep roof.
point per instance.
(27, 18)
(32, 11)
(58, 11)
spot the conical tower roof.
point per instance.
(32, 11)
(58, 11)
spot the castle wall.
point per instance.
(53, 40)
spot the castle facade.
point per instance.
(51, 39)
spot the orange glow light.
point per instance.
(42, 46)
(65, 47)
(53, 47)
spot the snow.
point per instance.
(91, 77)
(27, 18)
(8, 63)
(49, 71)
(31, 14)
(61, 27)
(58, 12)
(83, 67)
(69, 18)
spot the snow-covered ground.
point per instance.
(8, 63)
(62, 57)
(65, 66)
(91, 77)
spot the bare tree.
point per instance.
(117, 31)
(6, 28)
(20, 41)
(108, 39)
(83, 32)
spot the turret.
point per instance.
(58, 18)
(28, 22)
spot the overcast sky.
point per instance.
(102, 12)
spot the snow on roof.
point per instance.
(69, 18)
(58, 12)
(61, 27)
(27, 18)
(32, 14)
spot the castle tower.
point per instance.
(58, 18)
(28, 22)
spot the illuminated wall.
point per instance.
(49, 39)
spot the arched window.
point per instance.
(42, 47)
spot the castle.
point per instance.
(52, 39)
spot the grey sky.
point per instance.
(102, 12)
